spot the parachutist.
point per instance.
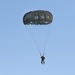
(38, 17)
(42, 60)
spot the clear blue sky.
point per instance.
(19, 54)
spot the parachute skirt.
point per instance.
(38, 17)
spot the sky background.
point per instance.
(18, 51)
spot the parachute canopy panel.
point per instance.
(38, 17)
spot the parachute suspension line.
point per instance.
(34, 41)
(45, 45)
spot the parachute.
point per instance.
(41, 17)
(37, 17)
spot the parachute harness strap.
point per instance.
(34, 41)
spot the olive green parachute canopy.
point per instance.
(38, 17)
